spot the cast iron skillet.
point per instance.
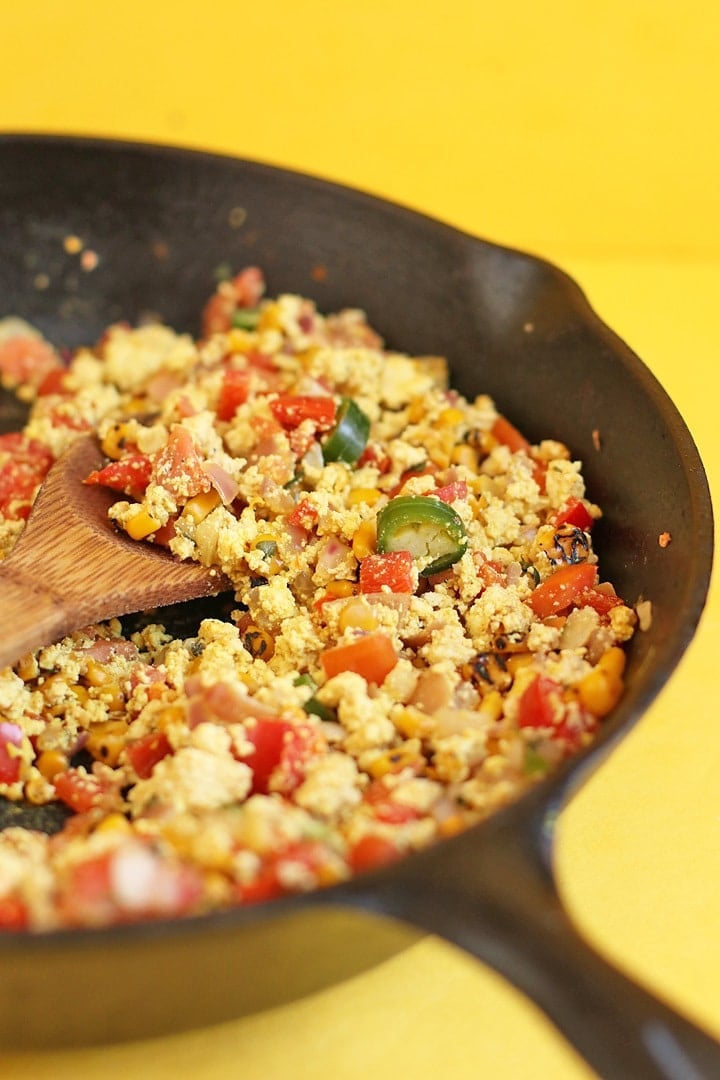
(160, 222)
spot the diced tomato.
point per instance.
(576, 513)
(14, 914)
(374, 455)
(312, 855)
(26, 359)
(282, 751)
(507, 434)
(234, 392)
(24, 464)
(385, 808)
(130, 475)
(264, 886)
(244, 291)
(537, 708)
(249, 287)
(373, 656)
(489, 571)
(79, 789)
(304, 515)
(54, 382)
(394, 570)
(291, 409)
(145, 753)
(458, 489)
(371, 852)
(11, 738)
(562, 589)
(178, 466)
(600, 601)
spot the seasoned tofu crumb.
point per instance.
(417, 628)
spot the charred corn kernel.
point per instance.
(401, 757)
(450, 417)
(364, 541)
(201, 505)
(416, 410)
(600, 691)
(463, 454)
(113, 443)
(142, 525)
(95, 674)
(105, 741)
(268, 545)
(51, 762)
(27, 667)
(340, 589)
(518, 660)
(357, 614)
(363, 495)
(258, 642)
(114, 823)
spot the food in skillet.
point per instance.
(419, 628)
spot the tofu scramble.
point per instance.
(419, 628)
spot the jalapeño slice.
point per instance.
(348, 438)
(428, 528)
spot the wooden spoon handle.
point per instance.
(31, 615)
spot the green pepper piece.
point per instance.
(426, 527)
(312, 706)
(349, 437)
(246, 318)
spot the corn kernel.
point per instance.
(416, 410)
(452, 825)
(463, 454)
(258, 642)
(27, 667)
(515, 661)
(201, 505)
(392, 761)
(412, 723)
(340, 589)
(113, 443)
(142, 525)
(450, 417)
(363, 495)
(51, 762)
(357, 614)
(613, 662)
(270, 318)
(240, 341)
(169, 715)
(114, 823)
(95, 674)
(106, 740)
(365, 540)
(600, 691)
(492, 704)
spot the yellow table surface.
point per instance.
(587, 135)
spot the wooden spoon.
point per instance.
(71, 567)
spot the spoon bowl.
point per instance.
(71, 568)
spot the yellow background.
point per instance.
(587, 134)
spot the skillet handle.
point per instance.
(497, 901)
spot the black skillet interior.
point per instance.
(161, 222)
